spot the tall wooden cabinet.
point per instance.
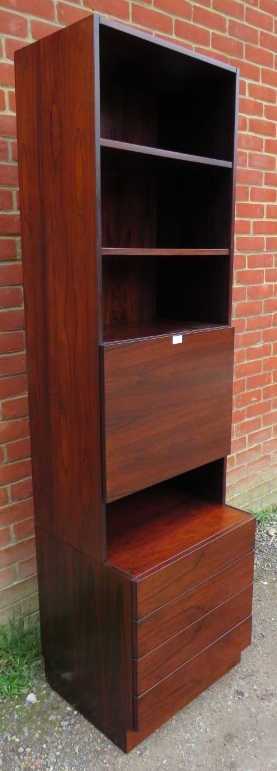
(126, 159)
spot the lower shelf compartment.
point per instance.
(174, 692)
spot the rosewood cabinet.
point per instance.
(126, 158)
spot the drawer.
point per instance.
(162, 661)
(166, 584)
(167, 408)
(153, 630)
(173, 693)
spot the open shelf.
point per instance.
(155, 328)
(155, 151)
(157, 525)
(137, 252)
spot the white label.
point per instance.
(177, 339)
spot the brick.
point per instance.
(260, 292)
(270, 334)
(44, 10)
(4, 150)
(6, 200)
(269, 364)
(242, 193)
(6, 73)
(269, 392)
(261, 92)
(243, 400)
(247, 427)
(14, 429)
(23, 529)
(270, 445)
(259, 19)
(250, 177)
(9, 223)
(249, 244)
(13, 363)
(241, 158)
(13, 386)
(242, 123)
(249, 210)
(271, 210)
(250, 276)
(17, 591)
(250, 142)
(13, 24)
(5, 537)
(16, 511)
(8, 174)
(259, 55)
(10, 342)
(258, 351)
(265, 226)
(238, 29)
(250, 107)
(270, 178)
(260, 126)
(13, 472)
(248, 338)
(230, 8)
(239, 261)
(238, 324)
(258, 322)
(263, 193)
(262, 161)
(40, 29)
(19, 449)
(248, 455)
(27, 567)
(270, 112)
(7, 576)
(10, 296)
(15, 407)
(180, 8)
(11, 100)
(187, 31)
(269, 6)
(239, 356)
(209, 19)
(268, 41)
(242, 226)
(269, 77)
(3, 496)
(14, 44)
(270, 305)
(21, 490)
(238, 444)
(259, 436)
(247, 69)
(11, 319)
(239, 386)
(11, 274)
(271, 244)
(248, 368)
(239, 293)
(7, 126)
(227, 44)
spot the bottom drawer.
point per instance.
(173, 693)
(166, 658)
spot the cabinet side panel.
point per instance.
(65, 383)
(86, 628)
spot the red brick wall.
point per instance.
(242, 33)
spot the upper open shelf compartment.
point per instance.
(165, 99)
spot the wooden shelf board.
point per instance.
(153, 328)
(157, 525)
(157, 152)
(137, 252)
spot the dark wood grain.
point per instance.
(167, 621)
(128, 290)
(174, 692)
(161, 662)
(59, 177)
(179, 395)
(135, 251)
(86, 630)
(159, 153)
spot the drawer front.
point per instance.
(173, 693)
(167, 408)
(153, 630)
(162, 661)
(168, 583)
